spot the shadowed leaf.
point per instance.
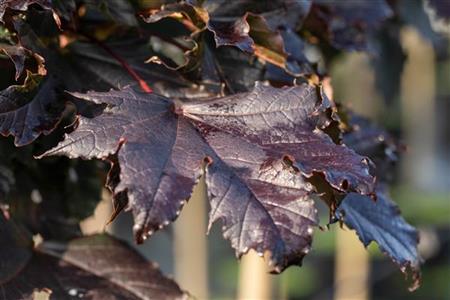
(120, 11)
(237, 70)
(296, 64)
(54, 204)
(95, 267)
(26, 113)
(232, 33)
(18, 55)
(278, 13)
(15, 249)
(379, 221)
(251, 26)
(374, 142)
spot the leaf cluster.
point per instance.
(168, 91)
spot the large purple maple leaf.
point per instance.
(258, 147)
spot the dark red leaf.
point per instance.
(284, 122)
(249, 25)
(257, 146)
(278, 13)
(234, 33)
(252, 34)
(92, 267)
(196, 19)
(269, 44)
(99, 254)
(26, 113)
(17, 54)
(237, 71)
(296, 64)
(120, 11)
(380, 221)
(374, 142)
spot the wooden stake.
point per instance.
(352, 267)
(190, 245)
(254, 280)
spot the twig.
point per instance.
(144, 86)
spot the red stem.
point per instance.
(144, 86)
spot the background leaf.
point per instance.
(92, 267)
(26, 113)
(380, 221)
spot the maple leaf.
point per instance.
(374, 142)
(251, 27)
(259, 148)
(84, 263)
(278, 13)
(231, 68)
(235, 33)
(258, 31)
(296, 62)
(18, 55)
(380, 221)
(25, 113)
